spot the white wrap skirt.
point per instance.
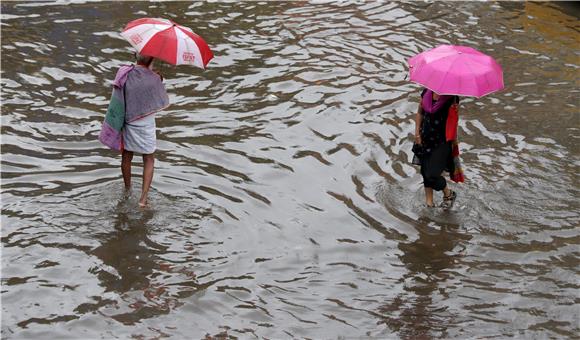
(139, 136)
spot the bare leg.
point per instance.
(126, 168)
(429, 197)
(148, 162)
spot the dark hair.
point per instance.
(143, 59)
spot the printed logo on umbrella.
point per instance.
(188, 57)
(136, 39)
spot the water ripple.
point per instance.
(283, 203)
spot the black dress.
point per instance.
(436, 151)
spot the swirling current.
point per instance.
(284, 204)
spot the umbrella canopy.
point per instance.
(456, 70)
(168, 41)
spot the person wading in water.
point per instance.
(432, 147)
(129, 126)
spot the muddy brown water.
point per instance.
(284, 204)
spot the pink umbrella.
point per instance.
(456, 70)
(168, 41)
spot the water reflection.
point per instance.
(128, 251)
(130, 257)
(420, 312)
(134, 267)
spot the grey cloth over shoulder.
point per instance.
(144, 95)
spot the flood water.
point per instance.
(284, 204)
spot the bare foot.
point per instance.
(142, 204)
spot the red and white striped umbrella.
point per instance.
(168, 41)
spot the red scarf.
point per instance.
(451, 136)
(451, 125)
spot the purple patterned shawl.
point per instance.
(137, 93)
